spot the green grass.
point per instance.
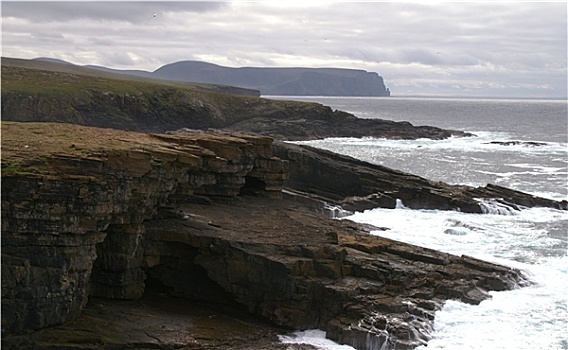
(45, 77)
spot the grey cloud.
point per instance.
(128, 11)
(42, 35)
(410, 44)
(112, 58)
(421, 56)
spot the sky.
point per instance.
(473, 49)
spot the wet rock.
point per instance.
(156, 321)
(518, 143)
(357, 185)
(299, 269)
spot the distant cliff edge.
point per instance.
(280, 81)
(292, 81)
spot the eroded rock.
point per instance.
(357, 185)
(65, 210)
(106, 213)
(299, 269)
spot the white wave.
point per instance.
(313, 337)
(492, 206)
(399, 204)
(527, 318)
(552, 195)
(540, 168)
(484, 141)
(336, 212)
(469, 161)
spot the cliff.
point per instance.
(92, 213)
(280, 81)
(50, 93)
(268, 81)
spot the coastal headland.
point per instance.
(224, 238)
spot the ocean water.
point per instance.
(520, 144)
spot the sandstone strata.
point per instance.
(57, 206)
(298, 269)
(104, 213)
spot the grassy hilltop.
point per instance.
(54, 92)
(40, 91)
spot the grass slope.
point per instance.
(40, 91)
(64, 67)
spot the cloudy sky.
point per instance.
(502, 49)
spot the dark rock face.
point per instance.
(518, 143)
(299, 270)
(358, 185)
(205, 217)
(296, 122)
(55, 225)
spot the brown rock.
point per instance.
(119, 212)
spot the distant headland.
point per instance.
(292, 81)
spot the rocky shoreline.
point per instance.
(94, 221)
(38, 91)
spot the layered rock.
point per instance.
(357, 185)
(61, 211)
(300, 270)
(106, 213)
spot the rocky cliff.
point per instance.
(280, 81)
(93, 213)
(357, 185)
(49, 93)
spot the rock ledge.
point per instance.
(100, 213)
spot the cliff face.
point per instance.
(280, 81)
(56, 211)
(38, 95)
(104, 213)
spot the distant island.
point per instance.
(293, 81)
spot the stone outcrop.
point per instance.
(357, 185)
(518, 143)
(298, 269)
(104, 213)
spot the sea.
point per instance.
(519, 143)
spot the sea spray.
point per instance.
(534, 240)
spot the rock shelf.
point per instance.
(99, 216)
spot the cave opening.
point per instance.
(253, 186)
(128, 266)
(178, 275)
(179, 303)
